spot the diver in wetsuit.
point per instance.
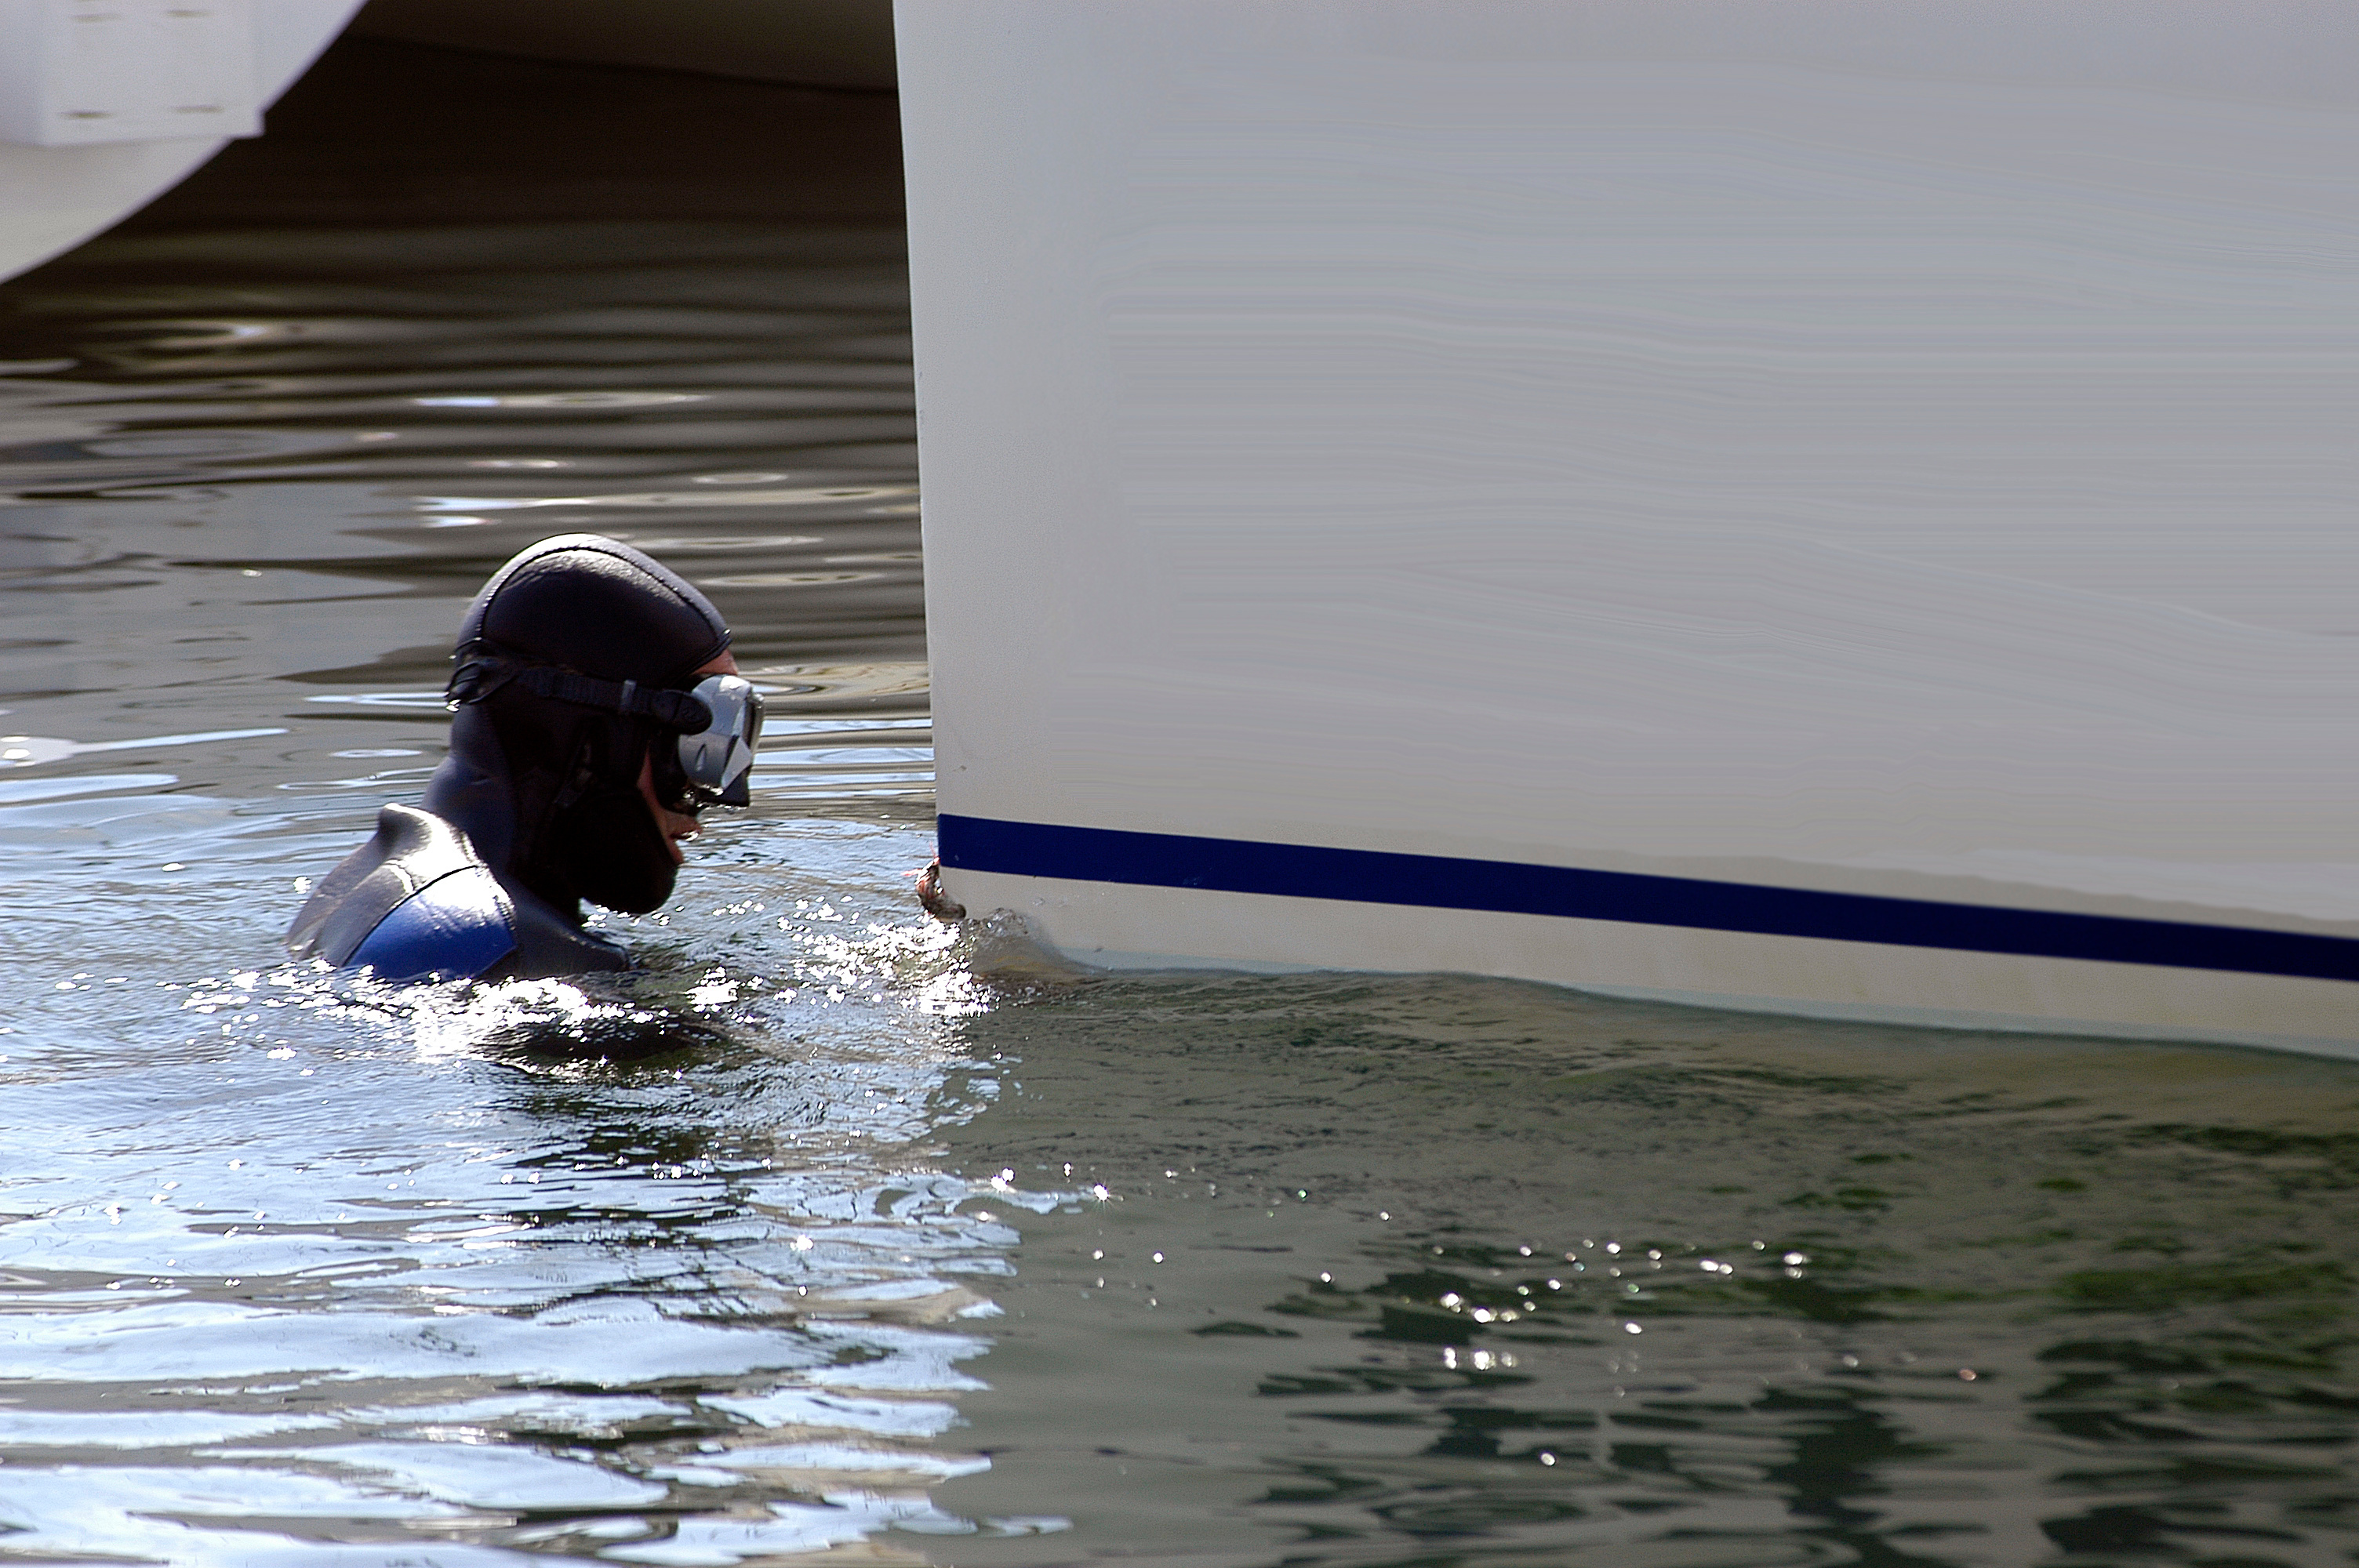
(596, 710)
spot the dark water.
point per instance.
(809, 1244)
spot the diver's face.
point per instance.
(678, 827)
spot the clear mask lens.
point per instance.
(717, 761)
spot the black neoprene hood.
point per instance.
(547, 797)
(597, 606)
(548, 791)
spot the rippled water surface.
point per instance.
(809, 1243)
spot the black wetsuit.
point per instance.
(538, 807)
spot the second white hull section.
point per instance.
(54, 198)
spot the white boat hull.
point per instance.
(52, 197)
(1833, 507)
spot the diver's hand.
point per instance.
(937, 903)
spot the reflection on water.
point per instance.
(805, 1241)
(1457, 1271)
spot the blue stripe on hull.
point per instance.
(1441, 881)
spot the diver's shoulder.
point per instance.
(457, 926)
(414, 901)
(417, 902)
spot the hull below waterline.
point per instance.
(1116, 926)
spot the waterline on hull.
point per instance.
(1124, 926)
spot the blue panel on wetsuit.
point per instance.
(455, 926)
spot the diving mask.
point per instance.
(717, 760)
(719, 720)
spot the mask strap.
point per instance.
(478, 677)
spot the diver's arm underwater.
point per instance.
(596, 710)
